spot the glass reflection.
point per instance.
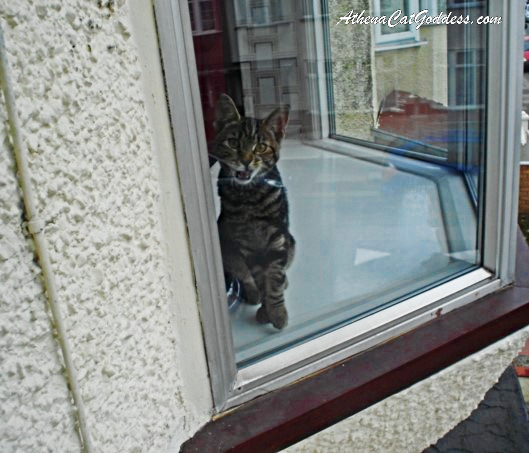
(382, 158)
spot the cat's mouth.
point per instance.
(243, 176)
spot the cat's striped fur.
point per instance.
(256, 244)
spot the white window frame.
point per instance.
(431, 5)
(231, 386)
(411, 34)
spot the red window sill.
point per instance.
(286, 416)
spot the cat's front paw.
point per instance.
(262, 316)
(278, 316)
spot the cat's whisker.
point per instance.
(254, 182)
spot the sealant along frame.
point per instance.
(230, 386)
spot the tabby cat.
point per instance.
(256, 244)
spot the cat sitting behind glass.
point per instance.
(255, 241)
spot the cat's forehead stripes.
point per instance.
(250, 127)
(249, 130)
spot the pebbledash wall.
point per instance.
(89, 92)
(90, 112)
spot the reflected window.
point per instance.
(434, 7)
(263, 53)
(346, 180)
(389, 7)
(267, 90)
(393, 30)
(288, 72)
(259, 14)
(466, 67)
(203, 16)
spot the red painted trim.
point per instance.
(281, 418)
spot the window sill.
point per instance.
(271, 23)
(283, 417)
(206, 33)
(399, 45)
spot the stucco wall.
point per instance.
(353, 78)
(35, 410)
(85, 118)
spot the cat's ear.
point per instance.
(225, 112)
(277, 121)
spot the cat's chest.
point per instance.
(252, 220)
(254, 234)
(253, 207)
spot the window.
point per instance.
(262, 12)
(288, 71)
(263, 54)
(396, 32)
(466, 65)
(388, 171)
(464, 3)
(259, 14)
(433, 6)
(202, 15)
(267, 91)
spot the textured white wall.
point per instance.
(417, 417)
(35, 410)
(82, 103)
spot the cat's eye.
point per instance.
(261, 148)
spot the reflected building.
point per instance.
(404, 88)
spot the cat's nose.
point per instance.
(246, 158)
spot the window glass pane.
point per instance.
(288, 72)
(241, 9)
(259, 14)
(192, 16)
(207, 15)
(263, 55)
(277, 9)
(346, 179)
(387, 8)
(433, 6)
(267, 90)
